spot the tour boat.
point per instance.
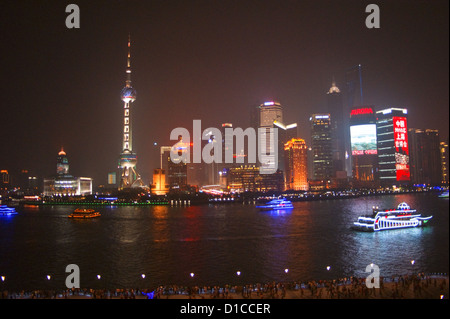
(84, 213)
(444, 194)
(276, 204)
(7, 211)
(402, 217)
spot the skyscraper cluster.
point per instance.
(350, 146)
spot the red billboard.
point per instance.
(401, 148)
(361, 111)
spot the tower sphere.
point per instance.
(128, 94)
(127, 159)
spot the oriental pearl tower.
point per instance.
(128, 159)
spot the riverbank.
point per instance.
(204, 198)
(418, 286)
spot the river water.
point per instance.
(215, 242)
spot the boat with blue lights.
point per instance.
(276, 204)
(402, 217)
(7, 211)
(444, 194)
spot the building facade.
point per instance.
(393, 147)
(247, 178)
(363, 141)
(177, 171)
(443, 146)
(269, 112)
(285, 134)
(321, 145)
(159, 185)
(296, 157)
(64, 184)
(426, 167)
(335, 107)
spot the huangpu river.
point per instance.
(147, 246)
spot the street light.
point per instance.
(98, 277)
(3, 278)
(192, 275)
(238, 273)
(286, 270)
(143, 276)
(49, 277)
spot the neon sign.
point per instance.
(401, 148)
(361, 111)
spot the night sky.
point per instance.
(208, 60)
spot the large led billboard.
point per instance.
(363, 139)
(401, 148)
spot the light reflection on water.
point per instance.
(214, 241)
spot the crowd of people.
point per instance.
(396, 287)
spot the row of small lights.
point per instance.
(238, 273)
(192, 275)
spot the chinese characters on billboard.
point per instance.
(401, 148)
(363, 139)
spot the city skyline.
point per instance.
(205, 60)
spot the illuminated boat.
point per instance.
(444, 194)
(276, 204)
(7, 211)
(84, 213)
(402, 217)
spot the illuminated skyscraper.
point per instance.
(296, 157)
(444, 162)
(393, 146)
(354, 98)
(321, 144)
(285, 134)
(269, 118)
(269, 112)
(128, 159)
(159, 186)
(177, 168)
(335, 108)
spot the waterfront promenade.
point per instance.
(419, 286)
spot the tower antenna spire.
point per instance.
(128, 81)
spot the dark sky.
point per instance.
(208, 60)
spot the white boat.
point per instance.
(276, 204)
(444, 194)
(402, 217)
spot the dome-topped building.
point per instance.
(64, 184)
(62, 163)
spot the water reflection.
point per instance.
(215, 241)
